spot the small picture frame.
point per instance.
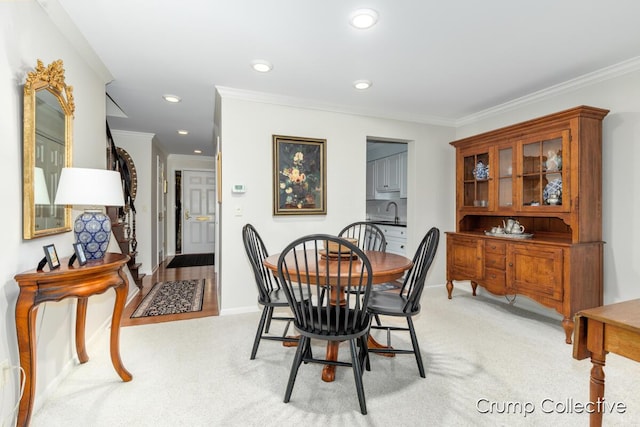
(80, 255)
(52, 256)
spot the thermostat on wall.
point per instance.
(238, 188)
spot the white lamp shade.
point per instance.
(40, 192)
(89, 187)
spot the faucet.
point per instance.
(395, 217)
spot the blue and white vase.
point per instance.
(481, 171)
(93, 230)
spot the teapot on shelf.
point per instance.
(512, 226)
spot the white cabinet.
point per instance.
(403, 175)
(371, 182)
(396, 238)
(387, 174)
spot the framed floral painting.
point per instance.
(299, 176)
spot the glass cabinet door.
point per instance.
(540, 175)
(475, 180)
(505, 177)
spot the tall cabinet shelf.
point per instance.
(547, 174)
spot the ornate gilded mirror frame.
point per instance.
(48, 147)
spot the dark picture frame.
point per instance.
(52, 256)
(299, 175)
(80, 255)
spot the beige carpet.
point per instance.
(198, 373)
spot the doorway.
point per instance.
(387, 171)
(197, 204)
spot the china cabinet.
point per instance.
(403, 175)
(545, 173)
(387, 174)
(371, 184)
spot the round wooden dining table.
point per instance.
(386, 267)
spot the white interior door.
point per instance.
(161, 195)
(198, 213)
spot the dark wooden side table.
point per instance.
(80, 282)
(611, 328)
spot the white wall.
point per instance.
(247, 159)
(621, 175)
(139, 147)
(27, 34)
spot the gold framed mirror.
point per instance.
(47, 148)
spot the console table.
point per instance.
(80, 282)
(611, 328)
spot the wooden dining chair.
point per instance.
(406, 303)
(270, 293)
(306, 267)
(370, 236)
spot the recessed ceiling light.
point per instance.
(171, 98)
(362, 84)
(363, 18)
(197, 151)
(183, 132)
(261, 66)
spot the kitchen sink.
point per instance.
(387, 222)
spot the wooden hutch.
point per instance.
(547, 174)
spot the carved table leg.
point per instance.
(474, 286)
(568, 326)
(81, 320)
(26, 331)
(121, 296)
(596, 389)
(449, 288)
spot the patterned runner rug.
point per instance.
(181, 296)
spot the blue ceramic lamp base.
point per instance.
(93, 230)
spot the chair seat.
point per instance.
(321, 324)
(389, 304)
(277, 298)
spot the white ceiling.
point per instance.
(431, 61)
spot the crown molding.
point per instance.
(607, 73)
(604, 74)
(133, 134)
(288, 101)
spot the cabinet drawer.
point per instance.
(396, 247)
(494, 247)
(494, 281)
(391, 232)
(493, 260)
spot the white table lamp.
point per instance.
(91, 188)
(40, 192)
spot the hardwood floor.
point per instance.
(163, 274)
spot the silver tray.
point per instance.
(510, 236)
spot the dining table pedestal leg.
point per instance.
(372, 343)
(329, 371)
